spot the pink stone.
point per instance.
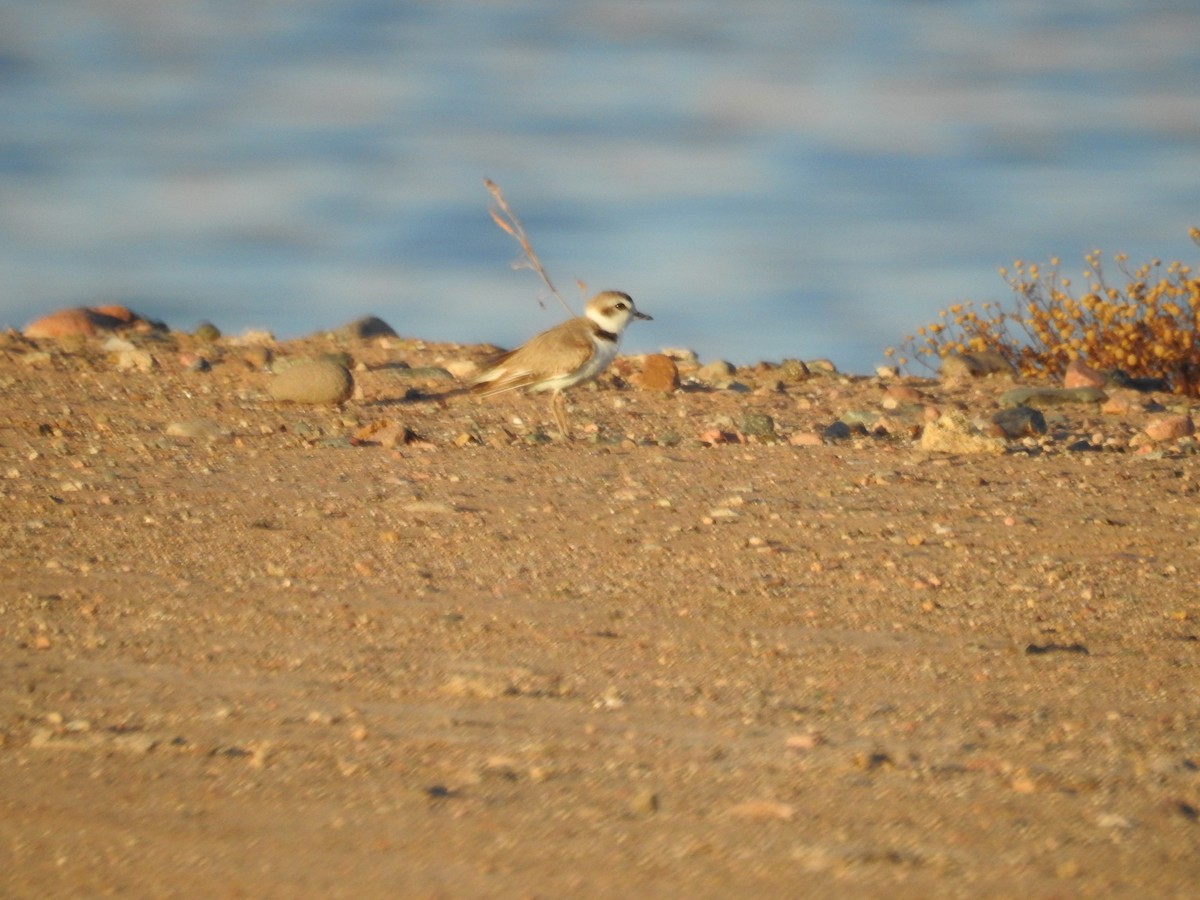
(1080, 374)
(1117, 405)
(80, 321)
(1169, 428)
(899, 394)
(805, 439)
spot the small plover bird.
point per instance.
(562, 356)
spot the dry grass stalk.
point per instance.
(503, 216)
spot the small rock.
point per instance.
(117, 345)
(681, 355)
(1170, 428)
(903, 422)
(1080, 374)
(258, 356)
(900, 395)
(207, 332)
(204, 429)
(194, 362)
(717, 436)
(794, 370)
(764, 810)
(644, 803)
(757, 424)
(384, 432)
(716, 372)
(659, 373)
(1121, 404)
(1114, 820)
(461, 368)
(369, 327)
(805, 439)
(1041, 397)
(81, 321)
(487, 685)
(862, 419)
(952, 433)
(426, 507)
(838, 431)
(822, 367)
(1018, 422)
(975, 365)
(135, 743)
(254, 337)
(315, 381)
(135, 360)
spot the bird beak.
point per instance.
(642, 315)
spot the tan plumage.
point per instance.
(565, 355)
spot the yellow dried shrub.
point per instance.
(1147, 329)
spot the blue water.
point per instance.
(768, 178)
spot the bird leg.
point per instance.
(558, 405)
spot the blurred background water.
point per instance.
(768, 178)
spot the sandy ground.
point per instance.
(278, 658)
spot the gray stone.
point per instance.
(1042, 397)
(369, 327)
(315, 381)
(975, 365)
(757, 424)
(1019, 422)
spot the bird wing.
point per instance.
(566, 346)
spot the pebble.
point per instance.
(253, 337)
(117, 345)
(207, 332)
(204, 429)
(763, 810)
(136, 361)
(975, 365)
(1018, 422)
(681, 355)
(757, 424)
(1080, 374)
(1170, 428)
(369, 327)
(644, 803)
(901, 395)
(864, 419)
(258, 356)
(716, 372)
(314, 381)
(794, 370)
(805, 439)
(822, 366)
(193, 362)
(462, 368)
(85, 321)
(953, 433)
(838, 431)
(1118, 405)
(659, 373)
(1042, 397)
